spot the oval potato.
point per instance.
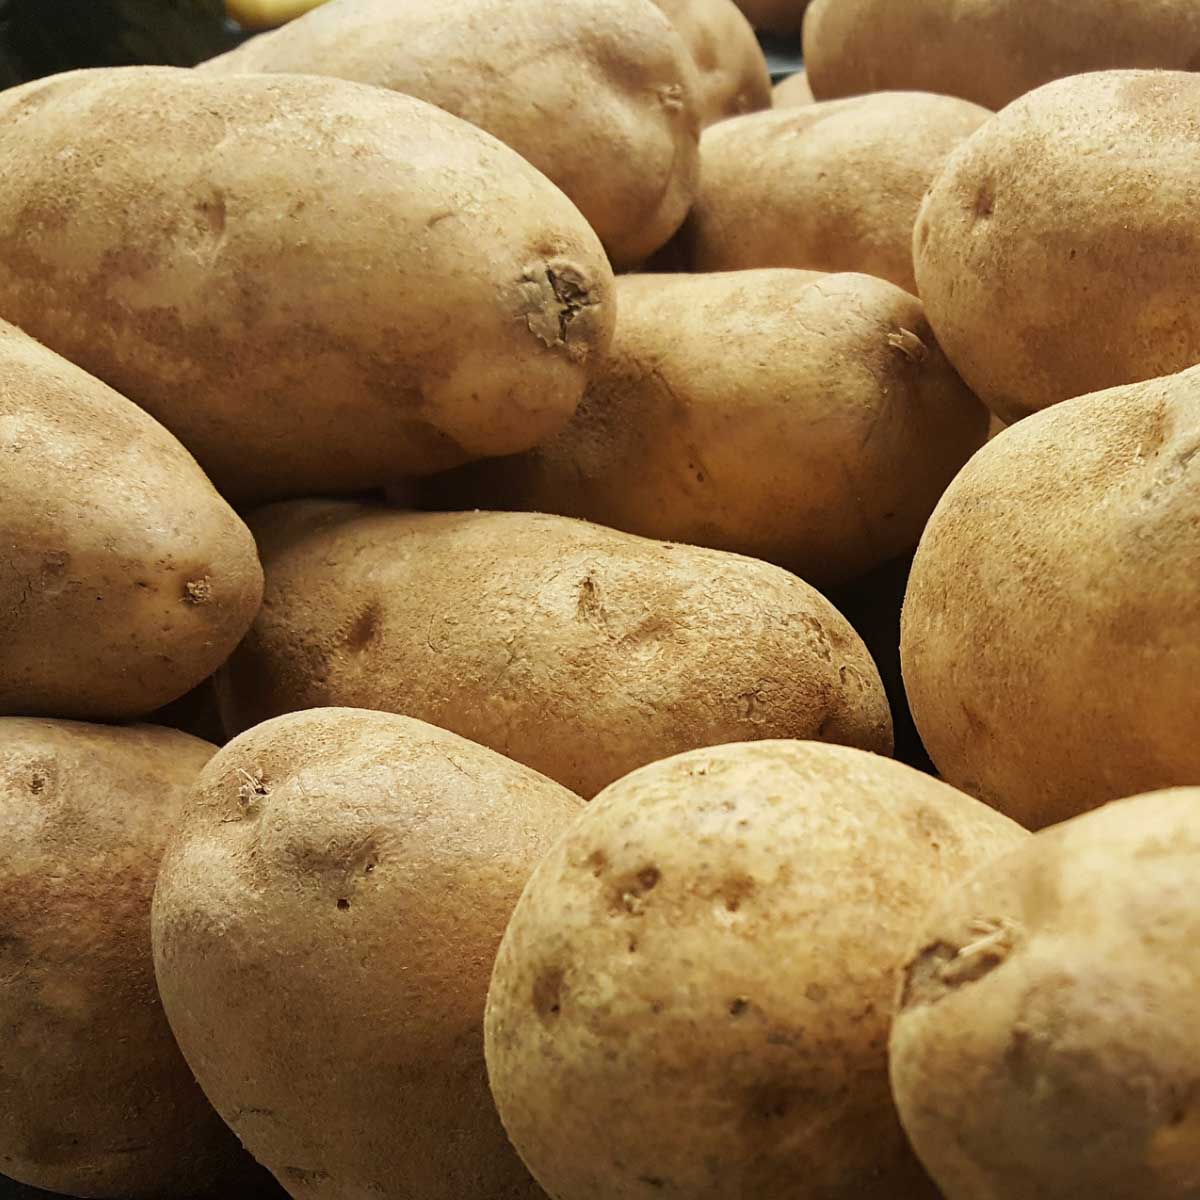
(809, 420)
(315, 285)
(827, 187)
(601, 96)
(324, 929)
(1051, 633)
(1059, 987)
(95, 1098)
(703, 968)
(125, 579)
(577, 650)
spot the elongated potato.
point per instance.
(804, 419)
(1056, 253)
(325, 925)
(734, 78)
(1051, 634)
(703, 966)
(124, 578)
(793, 92)
(989, 51)
(95, 1099)
(314, 284)
(575, 649)
(1059, 989)
(601, 96)
(827, 187)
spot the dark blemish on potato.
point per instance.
(554, 294)
(366, 627)
(306, 1174)
(252, 789)
(985, 200)
(770, 1103)
(37, 784)
(653, 1181)
(212, 213)
(738, 1006)
(909, 344)
(547, 994)
(735, 891)
(941, 968)
(589, 607)
(816, 992)
(598, 861)
(198, 591)
(631, 892)
(343, 904)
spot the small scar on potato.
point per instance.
(198, 591)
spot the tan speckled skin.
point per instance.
(693, 996)
(1051, 634)
(792, 92)
(825, 187)
(1047, 1048)
(324, 930)
(806, 419)
(784, 18)
(316, 285)
(989, 51)
(575, 649)
(1057, 252)
(124, 578)
(601, 96)
(734, 78)
(95, 1099)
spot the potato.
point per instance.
(577, 650)
(829, 187)
(693, 995)
(324, 929)
(805, 419)
(316, 285)
(124, 578)
(1051, 637)
(793, 92)
(783, 17)
(988, 51)
(95, 1099)
(601, 96)
(734, 78)
(1059, 990)
(1054, 252)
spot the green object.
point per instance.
(44, 37)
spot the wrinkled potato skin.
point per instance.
(324, 929)
(696, 985)
(793, 92)
(988, 51)
(602, 97)
(734, 78)
(1055, 252)
(169, 232)
(124, 578)
(1059, 989)
(95, 1099)
(1051, 633)
(723, 402)
(827, 187)
(577, 650)
(783, 17)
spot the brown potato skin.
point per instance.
(783, 17)
(95, 1099)
(1059, 988)
(723, 403)
(1056, 251)
(324, 929)
(734, 78)
(696, 985)
(577, 650)
(125, 579)
(793, 92)
(827, 187)
(602, 97)
(988, 51)
(315, 285)
(1051, 632)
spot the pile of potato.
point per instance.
(575, 626)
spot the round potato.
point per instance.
(95, 1099)
(804, 419)
(782, 17)
(1051, 636)
(1059, 989)
(325, 925)
(827, 187)
(575, 649)
(315, 285)
(124, 578)
(793, 92)
(988, 51)
(1055, 252)
(703, 969)
(734, 78)
(601, 96)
